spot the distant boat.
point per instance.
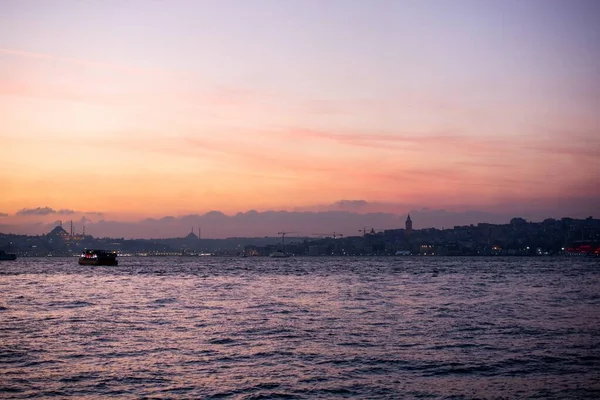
(4, 256)
(279, 254)
(98, 257)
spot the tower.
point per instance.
(408, 225)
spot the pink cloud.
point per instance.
(249, 154)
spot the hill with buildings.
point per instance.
(517, 238)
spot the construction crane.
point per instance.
(334, 234)
(282, 233)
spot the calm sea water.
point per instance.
(254, 328)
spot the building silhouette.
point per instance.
(58, 232)
(408, 225)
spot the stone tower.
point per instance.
(408, 225)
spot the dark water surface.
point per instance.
(301, 328)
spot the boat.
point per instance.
(4, 256)
(281, 253)
(98, 257)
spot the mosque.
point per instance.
(60, 233)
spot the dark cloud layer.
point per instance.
(345, 216)
(252, 223)
(36, 211)
(49, 211)
(351, 204)
(66, 212)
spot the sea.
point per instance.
(301, 328)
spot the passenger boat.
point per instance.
(4, 256)
(98, 257)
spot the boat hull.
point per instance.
(279, 254)
(98, 261)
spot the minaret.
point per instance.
(408, 225)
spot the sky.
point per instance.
(119, 112)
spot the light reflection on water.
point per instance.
(301, 328)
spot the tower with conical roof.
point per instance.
(408, 225)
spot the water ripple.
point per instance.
(301, 328)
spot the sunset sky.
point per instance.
(118, 111)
